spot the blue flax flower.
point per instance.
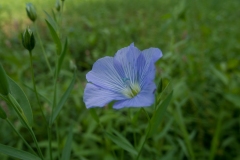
(127, 78)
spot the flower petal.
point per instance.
(95, 96)
(105, 75)
(152, 54)
(127, 57)
(143, 99)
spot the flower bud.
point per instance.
(3, 114)
(4, 85)
(31, 12)
(28, 39)
(58, 6)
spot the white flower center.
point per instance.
(131, 89)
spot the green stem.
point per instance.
(36, 142)
(61, 19)
(43, 50)
(146, 136)
(53, 106)
(134, 125)
(140, 151)
(50, 141)
(58, 140)
(34, 86)
(24, 141)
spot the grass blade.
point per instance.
(64, 98)
(159, 114)
(16, 153)
(121, 141)
(66, 154)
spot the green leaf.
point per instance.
(68, 146)
(52, 21)
(159, 114)
(121, 141)
(55, 37)
(63, 98)
(94, 114)
(19, 154)
(61, 58)
(22, 99)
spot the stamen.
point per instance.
(131, 89)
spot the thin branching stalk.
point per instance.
(134, 125)
(34, 86)
(24, 141)
(43, 50)
(146, 137)
(53, 106)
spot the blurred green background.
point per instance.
(200, 41)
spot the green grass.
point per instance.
(200, 41)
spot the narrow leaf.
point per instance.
(16, 153)
(61, 58)
(159, 114)
(122, 142)
(64, 98)
(22, 99)
(52, 21)
(66, 154)
(55, 37)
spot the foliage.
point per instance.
(200, 44)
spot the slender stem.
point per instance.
(50, 141)
(34, 86)
(24, 141)
(43, 50)
(58, 140)
(53, 106)
(36, 142)
(61, 19)
(140, 151)
(146, 137)
(134, 125)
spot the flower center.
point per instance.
(131, 89)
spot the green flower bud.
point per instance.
(58, 6)
(4, 85)
(31, 12)
(28, 39)
(3, 114)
